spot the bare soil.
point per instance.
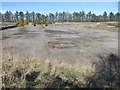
(73, 43)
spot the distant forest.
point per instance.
(81, 16)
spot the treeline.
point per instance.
(81, 16)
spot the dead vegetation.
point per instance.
(111, 26)
(25, 73)
(107, 73)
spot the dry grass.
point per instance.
(22, 73)
(111, 26)
(34, 73)
(5, 24)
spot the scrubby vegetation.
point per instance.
(22, 23)
(25, 73)
(107, 73)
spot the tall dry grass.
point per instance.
(35, 73)
(31, 73)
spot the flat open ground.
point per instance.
(72, 43)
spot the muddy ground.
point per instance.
(72, 43)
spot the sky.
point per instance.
(60, 0)
(51, 7)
